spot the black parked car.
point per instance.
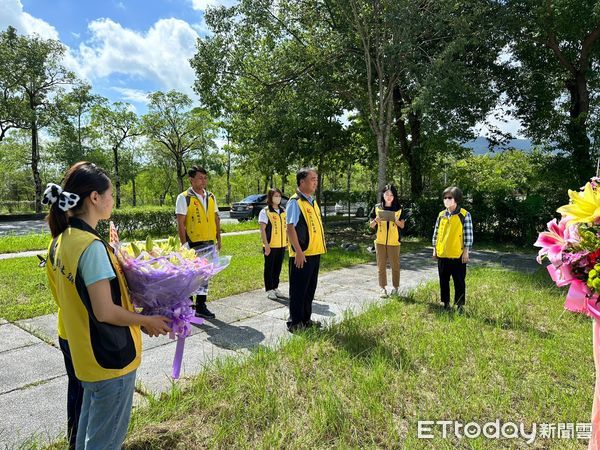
(250, 207)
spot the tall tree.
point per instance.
(387, 60)
(73, 129)
(117, 125)
(179, 129)
(34, 67)
(555, 63)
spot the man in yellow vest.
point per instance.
(452, 239)
(199, 224)
(306, 245)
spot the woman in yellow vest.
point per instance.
(95, 316)
(452, 239)
(387, 241)
(273, 234)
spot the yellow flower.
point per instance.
(584, 206)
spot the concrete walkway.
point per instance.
(33, 383)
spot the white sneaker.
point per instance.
(280, 294)
(383, 293)
(271, 295)
(394, 292)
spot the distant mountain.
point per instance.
(480, 145)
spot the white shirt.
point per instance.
(262, 215)
(181, 203)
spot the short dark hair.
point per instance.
(270, 195)
(455, 192)
(303, 173)
(195, 169)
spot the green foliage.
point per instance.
(137, 223)
(181, 132)
(552, 76)
(511, 195)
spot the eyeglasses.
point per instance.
(448, 198)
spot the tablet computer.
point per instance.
(389, 216)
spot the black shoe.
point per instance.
(460, 309)
(313, 324)
(293, 328)
(202, 311)
(446, 306)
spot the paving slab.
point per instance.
(29, 365)
(3, 321)
(45, 327)
(13, 337)
(255, 302)
(36, 414)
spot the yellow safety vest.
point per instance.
(100, 351)
(62, 333)
(200, 224)
(276, 229)
(387, 232)
(449, 242)
(309, 228)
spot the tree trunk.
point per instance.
(117, 177)
(348, 180)
(577, 126)
(133, 192)
(283, 181)
(411, 150)
(180, 174)
(415, 162)
(382, 161)
(228, 197)
(35, 160)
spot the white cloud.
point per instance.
(11, 13)
(161, 54)
(132, 95)
(201, 5)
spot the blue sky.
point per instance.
(127, 48)
(124, 48)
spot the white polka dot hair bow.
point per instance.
(54, 193)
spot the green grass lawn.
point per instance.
(24, 292)
(515, 356)
(39, 241)
(24, 242)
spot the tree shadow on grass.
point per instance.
(366, 347)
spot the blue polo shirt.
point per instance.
(292, 210)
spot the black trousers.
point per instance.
(303, 284)
(273, 263)
(452, 267)
(200, 299)
(74, 394)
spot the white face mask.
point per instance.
(449, 202)
(276, 200)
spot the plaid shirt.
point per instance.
(467, 229)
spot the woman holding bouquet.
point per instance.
(273, 234)
(96, 316)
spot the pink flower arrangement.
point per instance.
(572, 246)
